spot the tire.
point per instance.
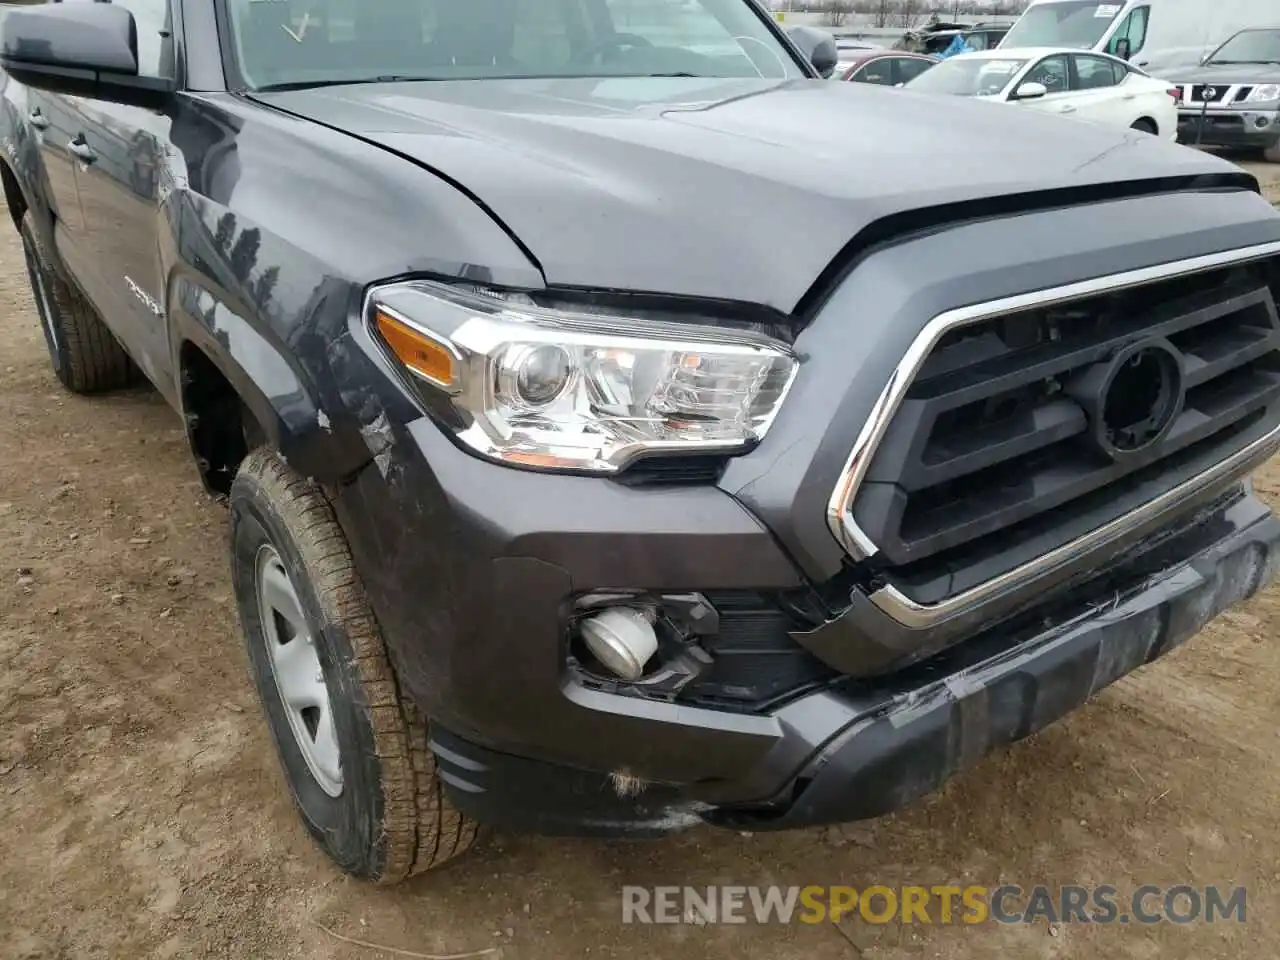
(85, 355)
(389, 818)
(1145, 125)
(1272, 153)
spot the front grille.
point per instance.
(1002, 449)
(1216, 93)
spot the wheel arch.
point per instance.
(238, 390)
(21, 197)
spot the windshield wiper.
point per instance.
(408, 78)
(314, 84)
(1233, 63)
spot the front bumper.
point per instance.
(868, 754)
(1252, 129)
(472, 567)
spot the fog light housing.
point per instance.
(622, 639)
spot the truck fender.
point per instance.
(282, 401)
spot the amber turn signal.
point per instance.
(424, 356)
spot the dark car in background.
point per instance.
(887, 68)
(1232, 99)
(936, 38)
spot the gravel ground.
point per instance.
(145, 817)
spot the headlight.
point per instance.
(564, 390)
(1267, 91)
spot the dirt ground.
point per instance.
(142, 813)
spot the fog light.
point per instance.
(622, 639)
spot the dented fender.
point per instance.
(285, 399)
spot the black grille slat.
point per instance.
(1054, 480)
(947, 520)
(1257, 387)
(1031, 538)
(1047, 360)
(994, 432)
(1240, 333)
(971, 451)
(1211, 353)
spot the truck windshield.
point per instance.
(299, 43)
(1249, 46)
(1069, 23)
(968, 77)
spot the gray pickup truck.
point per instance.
(623, 428)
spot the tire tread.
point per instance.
(420, 829)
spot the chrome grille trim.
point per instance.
(858, 545)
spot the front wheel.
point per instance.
(1272, 153)
(353, 749)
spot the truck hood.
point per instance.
(1225, 73)
(731, 189)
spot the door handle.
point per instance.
(82, 150)
(1066, 109)
(38, 119)
(1129, 96)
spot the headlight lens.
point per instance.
(1267, 91)
(564, 390)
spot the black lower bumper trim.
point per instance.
(531, 796)
(883, 762)
(897, 738)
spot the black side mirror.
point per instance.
(818, 46)
(1122, 48)
(85, 50)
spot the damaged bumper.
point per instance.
(866, 754)
(925, 735)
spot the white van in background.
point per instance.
(1152, 34)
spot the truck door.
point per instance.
(55, 121)
(121, 198)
